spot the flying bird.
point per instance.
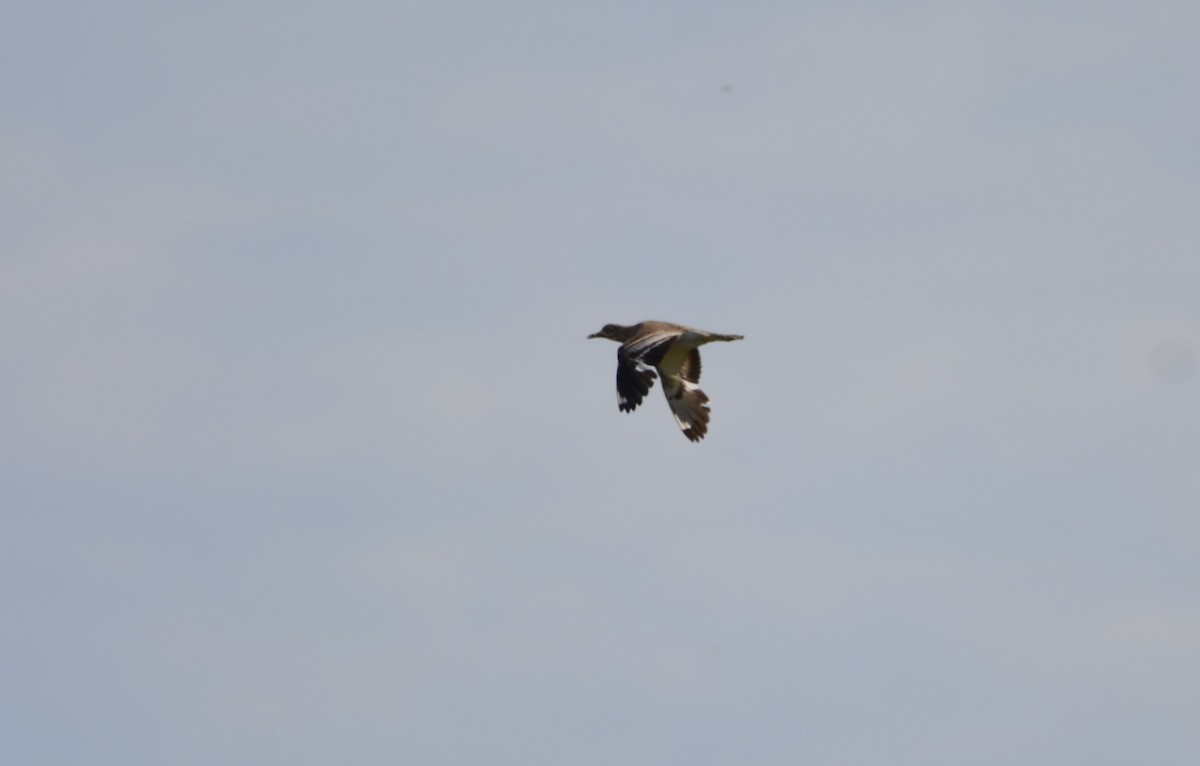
(673, 350)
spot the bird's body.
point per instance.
(672, 350)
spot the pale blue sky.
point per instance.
(305, 459)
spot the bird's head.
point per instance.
(610, 331)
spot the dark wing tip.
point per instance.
(632, 385)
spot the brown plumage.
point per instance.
(674, 351)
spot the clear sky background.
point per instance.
(305, 459)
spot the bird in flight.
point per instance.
(673, 350)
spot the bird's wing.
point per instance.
(688, 404)
(678, 363)
(680, 370)
(633, 381)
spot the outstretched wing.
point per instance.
(688, 404)
(680, 370)
(633, 381)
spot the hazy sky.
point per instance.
(305, 458)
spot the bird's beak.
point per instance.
(594, 335)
